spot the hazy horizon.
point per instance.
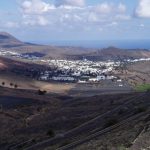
(125, 44)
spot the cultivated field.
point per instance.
(27, 83)
(135, 74)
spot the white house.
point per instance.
(93, 80)
(101, 78)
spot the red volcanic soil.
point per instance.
(2, 65)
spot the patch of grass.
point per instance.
(143, 88)
(121, 148)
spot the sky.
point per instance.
(60, 20)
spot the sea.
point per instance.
(124, 44)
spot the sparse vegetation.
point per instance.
(51, 133)
(143, 88)
(121, 111)
(15, 86)
(111, 122)
(141, 109)
(65, 143)
(11, 84)
(121, 148)
(42, 92)
(3, 83)
(61, 117)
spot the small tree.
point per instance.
(1, 108)
(3, 83)
(141, 109)
(40, 92)
(50, 133)
(11, 84)
(110, 122)
(15, 86)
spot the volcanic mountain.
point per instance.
(7, 40)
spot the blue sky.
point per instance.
(56, 20)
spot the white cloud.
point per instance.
(71, 13)
(142, 25)
(35, 20)
(34, 12)
(36, 7)
(107, 8)
(143, 9)
(104, 8)
(108, 12)
(11, 24)
(42, 21)
(122, 17)
(121, 8)
(76, 3)
(113, 24)
(100, 29)
(93, 17)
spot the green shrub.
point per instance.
(143, 88)
(121, 148)
(40, 92)
(66, 142)
(50, 133)
(141, 109)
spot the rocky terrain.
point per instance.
(32, 121)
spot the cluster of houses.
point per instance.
(138, 60)
(17, 55)
(79, 71)
(8, 53)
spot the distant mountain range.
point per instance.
(9, 42)
(116, 53)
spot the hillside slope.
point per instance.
(112, 53)
(107, 122)
(7, 40)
